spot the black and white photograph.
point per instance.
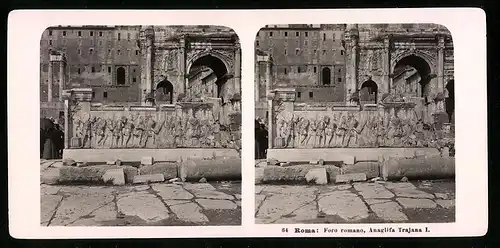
(354, 123)
(140, 126)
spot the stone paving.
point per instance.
(158, 204)
(367, 202)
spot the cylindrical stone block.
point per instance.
(212, 170)
(420, 168)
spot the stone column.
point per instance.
(62, 78)
(440, 72)
(257, 81)
(270, 107)
(66, 123)
(237, 72)
(387, 80)
(51, 79)
(149, 64)
(183, 79)
(352, 65)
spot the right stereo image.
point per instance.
(354, 123)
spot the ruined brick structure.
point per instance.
(388, 67)
(104, 58)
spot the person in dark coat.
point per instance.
(264, 139)
(49, 147)
(42, 141)
(58, 140)
(258, 133)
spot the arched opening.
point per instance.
(412, 75)
(450, 100)
(120, 76)
(326, 76)
(208, 77)
(164, 91)
(368, 93)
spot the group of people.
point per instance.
(261, 136)
(51, 139)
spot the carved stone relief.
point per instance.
(335, 129)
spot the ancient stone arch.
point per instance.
(428, 57)
(196, 55)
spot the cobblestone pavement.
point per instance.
(157, 204)
(378, 202)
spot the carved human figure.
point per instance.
(101, 131)
(330, 131)
(127, 132)
(288, 132)
(150, 135)
(341, 134)
(117, 129)
(292, 132)
(216, 133)
(108, 134)
(320, 132)
(303, 131)
(311, 135)
(87, 132)
(139, 131)
(179, 131)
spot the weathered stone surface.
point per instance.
(346, 178)
(275, 206)
(176, 202)
(50, 176)
(189, 212)
(314, 162)
(205, 190)
(373, 190)
(69, 162)
(317, 176)
(148, 160)
(443, 196)
(370, 201)
(445, 152)
(340, 187)
(92, 173)
(416, 203)
(289, 190)
(321, 162)
(411, 193)
(216, 204)
(433, 167)
(81, 203)
(258, 201)
(284, 164)
(348, 159)
(307, 212)
(446, 203)
(95, 218)
(110, 162)
(261, 163)
(114, 176)
(259, 188)
(169, 170)
(259, 175)
(371, 169)
(172, 191)
(293, 173)
(202, 180)
(149, 178)
(140, 187)
(143, 205)
(212, 170)
(346, 205)
(399, 185)
(48, 206)
(389, 211)
(49, 189)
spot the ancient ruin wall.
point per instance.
(189, 125)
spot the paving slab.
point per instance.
(77, 205)
(216, 204)
(189, 212)
(205, 190)
(172, 191)
(412, 193)
(307, 212)
(373, 190)
(104, 213)
(416, 203)
(376, 201)
(48, 206)
(290, 190)
(275, 206)
(446, 203)
(143, 205)
(344, 204)
(389, 211)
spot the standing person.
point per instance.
(42, 141)
(49, 148)
(263, 140)
(258, 133)
(59, 140)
